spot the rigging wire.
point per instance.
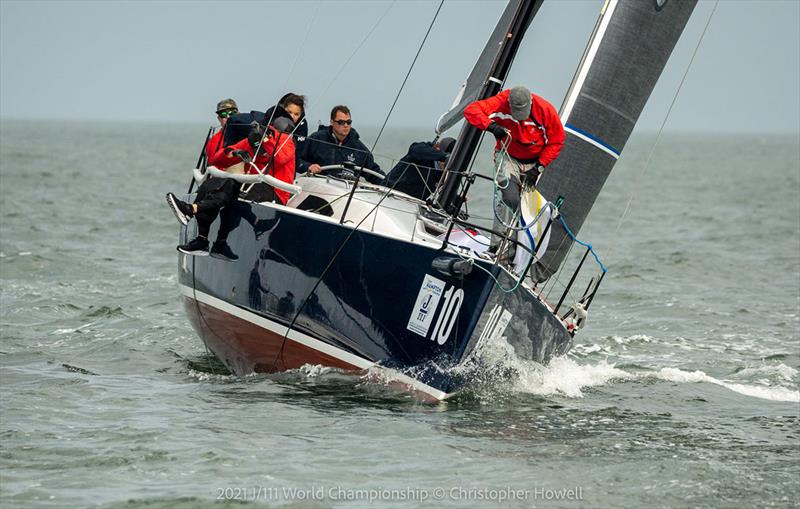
(397, 97)
(366, 216)
(297, 55)
(302, 46)
(649, 159)
(366, 37)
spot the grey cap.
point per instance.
(519, 99)
(227, 104)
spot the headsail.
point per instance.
(627, 52)
(481, 72)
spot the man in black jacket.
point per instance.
(418, 172)
(338, 143)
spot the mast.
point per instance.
(487, 80)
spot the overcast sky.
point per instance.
(172, 61)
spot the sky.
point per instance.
(171, 61)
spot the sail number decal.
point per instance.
(425, 308)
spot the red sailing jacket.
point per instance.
(282, 167)
(214, 143)
(540, 137)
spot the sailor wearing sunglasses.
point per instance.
(339, 144)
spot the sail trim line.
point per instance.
(593, 140)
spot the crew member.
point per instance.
(339, 144)
(275, 151)
(226, 108)
(418, 172)
(291, 106)
(529, 129)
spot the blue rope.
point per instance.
(584, 244)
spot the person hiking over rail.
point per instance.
(275, 155)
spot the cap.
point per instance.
(227, 104)
(519, 99)
(446, 145)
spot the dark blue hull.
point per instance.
(307, 290)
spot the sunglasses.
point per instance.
(226, 114)
(344, 122)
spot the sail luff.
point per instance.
(586, 61)
(626, 54)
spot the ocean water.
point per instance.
(683, 390)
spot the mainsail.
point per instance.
(627, 52)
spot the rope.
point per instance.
(584, 244)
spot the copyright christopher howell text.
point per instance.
(408, 493)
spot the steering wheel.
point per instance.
(330, 167)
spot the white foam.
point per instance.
(771, 393)
(780, 370)
(763, 392)
(313, 370)
(203, 376)
(636, 338)
(563, 376)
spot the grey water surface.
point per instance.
(682, 391)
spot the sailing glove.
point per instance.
(498, 132)
(531, 177)
(255, 135)
(242, 154)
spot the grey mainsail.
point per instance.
(627, 52)
(482, 71)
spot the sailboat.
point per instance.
(360, 277)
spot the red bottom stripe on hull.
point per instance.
(247, 348)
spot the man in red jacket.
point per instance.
(530, 131)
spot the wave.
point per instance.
(564, 376)
(772, 393)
